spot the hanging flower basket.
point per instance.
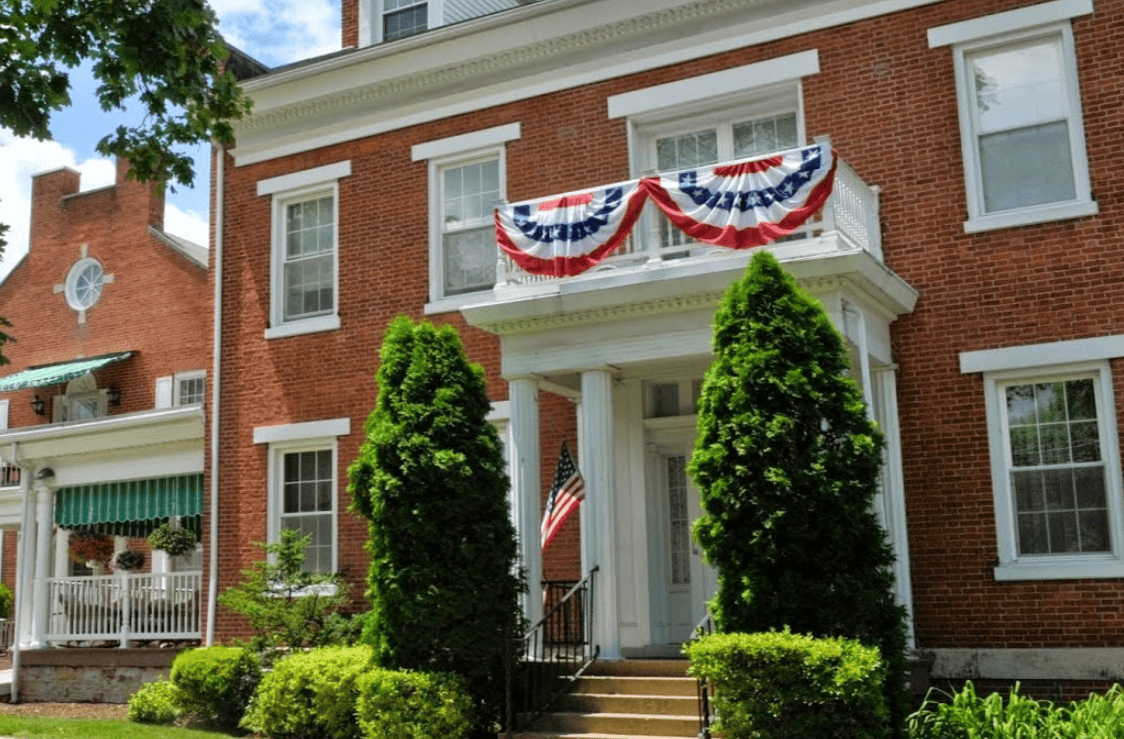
(175, 542)
(87, 545)
(128, 561)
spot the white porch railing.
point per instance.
(848, 220)
(124, 607)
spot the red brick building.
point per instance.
(965, 255)
(102, 410)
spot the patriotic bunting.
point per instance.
(568, 235)
(739, 205)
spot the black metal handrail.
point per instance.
(705, 689)
(556, 650)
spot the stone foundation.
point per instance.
(89, 675)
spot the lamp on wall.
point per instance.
(37, 405)
(114, 395)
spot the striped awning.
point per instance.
(131, 507)
(57, 373)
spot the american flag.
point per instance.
(566, 492)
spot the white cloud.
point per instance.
(187, 224)
(280, 32)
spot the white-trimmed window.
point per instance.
(304, 282)
(304, 485)
(1055, 461)
(466, 182)
(83, 401)
(1021, 129)
(736, 113)
(189, 388)
(402, 18)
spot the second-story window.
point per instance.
(469, 192)
(402, 18)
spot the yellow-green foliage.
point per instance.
(310, 695)
(400, 704)
(215, 683)
(155, 703)
(966, 715)
(778, 685)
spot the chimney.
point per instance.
(144, 190)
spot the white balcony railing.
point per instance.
(124, 607)
(849, 220)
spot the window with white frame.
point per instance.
(189, 388)
(737, 113)
(402, 18)
(1021, 129)
(304, 485)
(305, 250)
(466, 182)
(1055, 460)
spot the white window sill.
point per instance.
(1030, 216)
(1069, 569)
(305, 326)
(324, 590)
(455, 303)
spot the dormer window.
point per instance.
(402, 18)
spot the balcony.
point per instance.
(847, 223)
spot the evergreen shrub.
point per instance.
(787, 466)
(216, 683)
(155, 703)
(401, 704)
(431, 481)
(310, 695)
(6, 603)
(790, 686)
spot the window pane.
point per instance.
(1089, 486)
(402, 23)
(686, 151)
(1029, 493)
(1027, 166)
(1018, 86)
(1032, 534)
(1093, 529)
(470, 260)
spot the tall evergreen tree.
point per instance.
(431, 481)
(787, 465)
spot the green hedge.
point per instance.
(155, 703)
(789, 686)
(216, 683)
(309, 695)
(413, 705)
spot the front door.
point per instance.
(690, 582)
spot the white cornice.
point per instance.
(443, 73)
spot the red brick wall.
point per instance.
(888, 102)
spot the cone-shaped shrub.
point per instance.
(431, 481)
(787, 465)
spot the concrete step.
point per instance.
(622, 724)
(640, 667)
(653, 705)
(634, 685)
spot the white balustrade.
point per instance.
(124, 607)
(849, 220)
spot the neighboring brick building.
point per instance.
(102, 408)
(965, 255)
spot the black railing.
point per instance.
(556, 650)
(705, 689)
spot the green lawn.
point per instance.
(28, 727)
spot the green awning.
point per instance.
(57, 373)
(131, 507)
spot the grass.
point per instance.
(29, 727)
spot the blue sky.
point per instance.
(274, 32)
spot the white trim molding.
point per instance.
(466, 143)
(1012, 20)
(710, 87)
(304, 178)
(300, 431)
(1042, 355)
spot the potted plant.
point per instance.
(88, 545)
(128, 561)
(175, 542)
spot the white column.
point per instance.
(44, 510)
(596, 461)
(526, 466)
(24, 560)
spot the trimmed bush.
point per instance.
(399, 704)
(310, 695)
(216, 683)
(789, 686)
(6, 602)
(155, 703)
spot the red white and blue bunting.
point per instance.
(739, 205)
